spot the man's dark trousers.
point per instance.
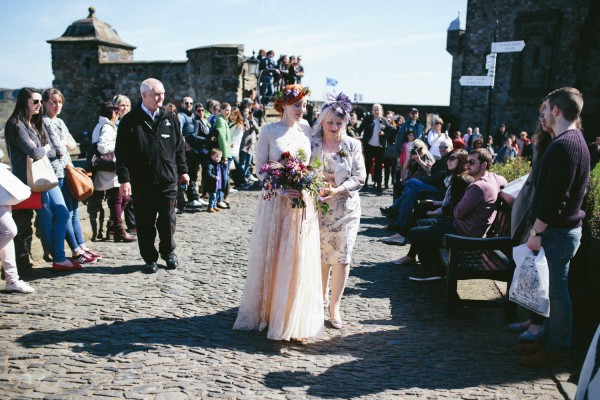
(155, 210)
(377, 153)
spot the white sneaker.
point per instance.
(253, 178)
(19, 286)
(232, 190)
(195, 204)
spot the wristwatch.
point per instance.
(534, 233)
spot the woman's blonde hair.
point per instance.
(326, 113)
(418, 143)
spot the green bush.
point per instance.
(592, 206)
(513, 168)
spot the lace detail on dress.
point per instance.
(283, 289)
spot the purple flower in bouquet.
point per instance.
(292, 172)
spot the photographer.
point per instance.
(419, 161)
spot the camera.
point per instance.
(414, 151)
(183, 186)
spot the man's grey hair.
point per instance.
(146, 86)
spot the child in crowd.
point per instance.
(214, 180)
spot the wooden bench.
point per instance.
(480, 258)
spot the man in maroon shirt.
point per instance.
(473, 216)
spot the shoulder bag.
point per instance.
(40, 175)
(12, 190)
(80, 184)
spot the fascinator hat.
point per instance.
(289, 95)
(340, 104)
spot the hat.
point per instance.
(414, 110)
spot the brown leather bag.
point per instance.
(80, 184)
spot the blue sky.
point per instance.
(394, 52)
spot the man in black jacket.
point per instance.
(373, 131)
(150, 163)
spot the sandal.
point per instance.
(336, 324)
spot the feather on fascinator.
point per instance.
(340, 104)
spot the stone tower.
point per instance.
(92, 64)
(76, 59)
(454, 46)
(562, 47)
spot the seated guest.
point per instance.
(473, 216)
(434, 183)
(456, 183)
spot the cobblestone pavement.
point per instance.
(112, 332)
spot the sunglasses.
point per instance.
(438, 123)
(36, 101)
(199, 109)
(452, 158)
(472, 162)
(443, 147)
(187, 103)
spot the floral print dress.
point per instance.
(339, 225)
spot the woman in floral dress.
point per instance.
(344, 169)
(282, 292)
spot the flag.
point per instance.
(330, 82)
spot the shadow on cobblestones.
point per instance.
(104, 269)
(144, 334)
(111, 331)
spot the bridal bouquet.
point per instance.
(292, 172)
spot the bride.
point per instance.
(282, 292)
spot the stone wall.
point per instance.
(89, 74)
(559, 52)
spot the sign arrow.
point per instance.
(476, 80)
(508, 47)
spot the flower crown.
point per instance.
(340, 105)
(290, 94)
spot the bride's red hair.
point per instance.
(289, 95)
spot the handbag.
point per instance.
(391, 152)
(530, 286)
(40, 175)
(80, 184)
(104, 162)
(33, 202)
(12, 190)
(100, 162)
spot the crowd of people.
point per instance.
(275, 75)
(166, 160)
(450, 190)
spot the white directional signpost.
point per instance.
(490, 66)
(508, 47)
(483, 80)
